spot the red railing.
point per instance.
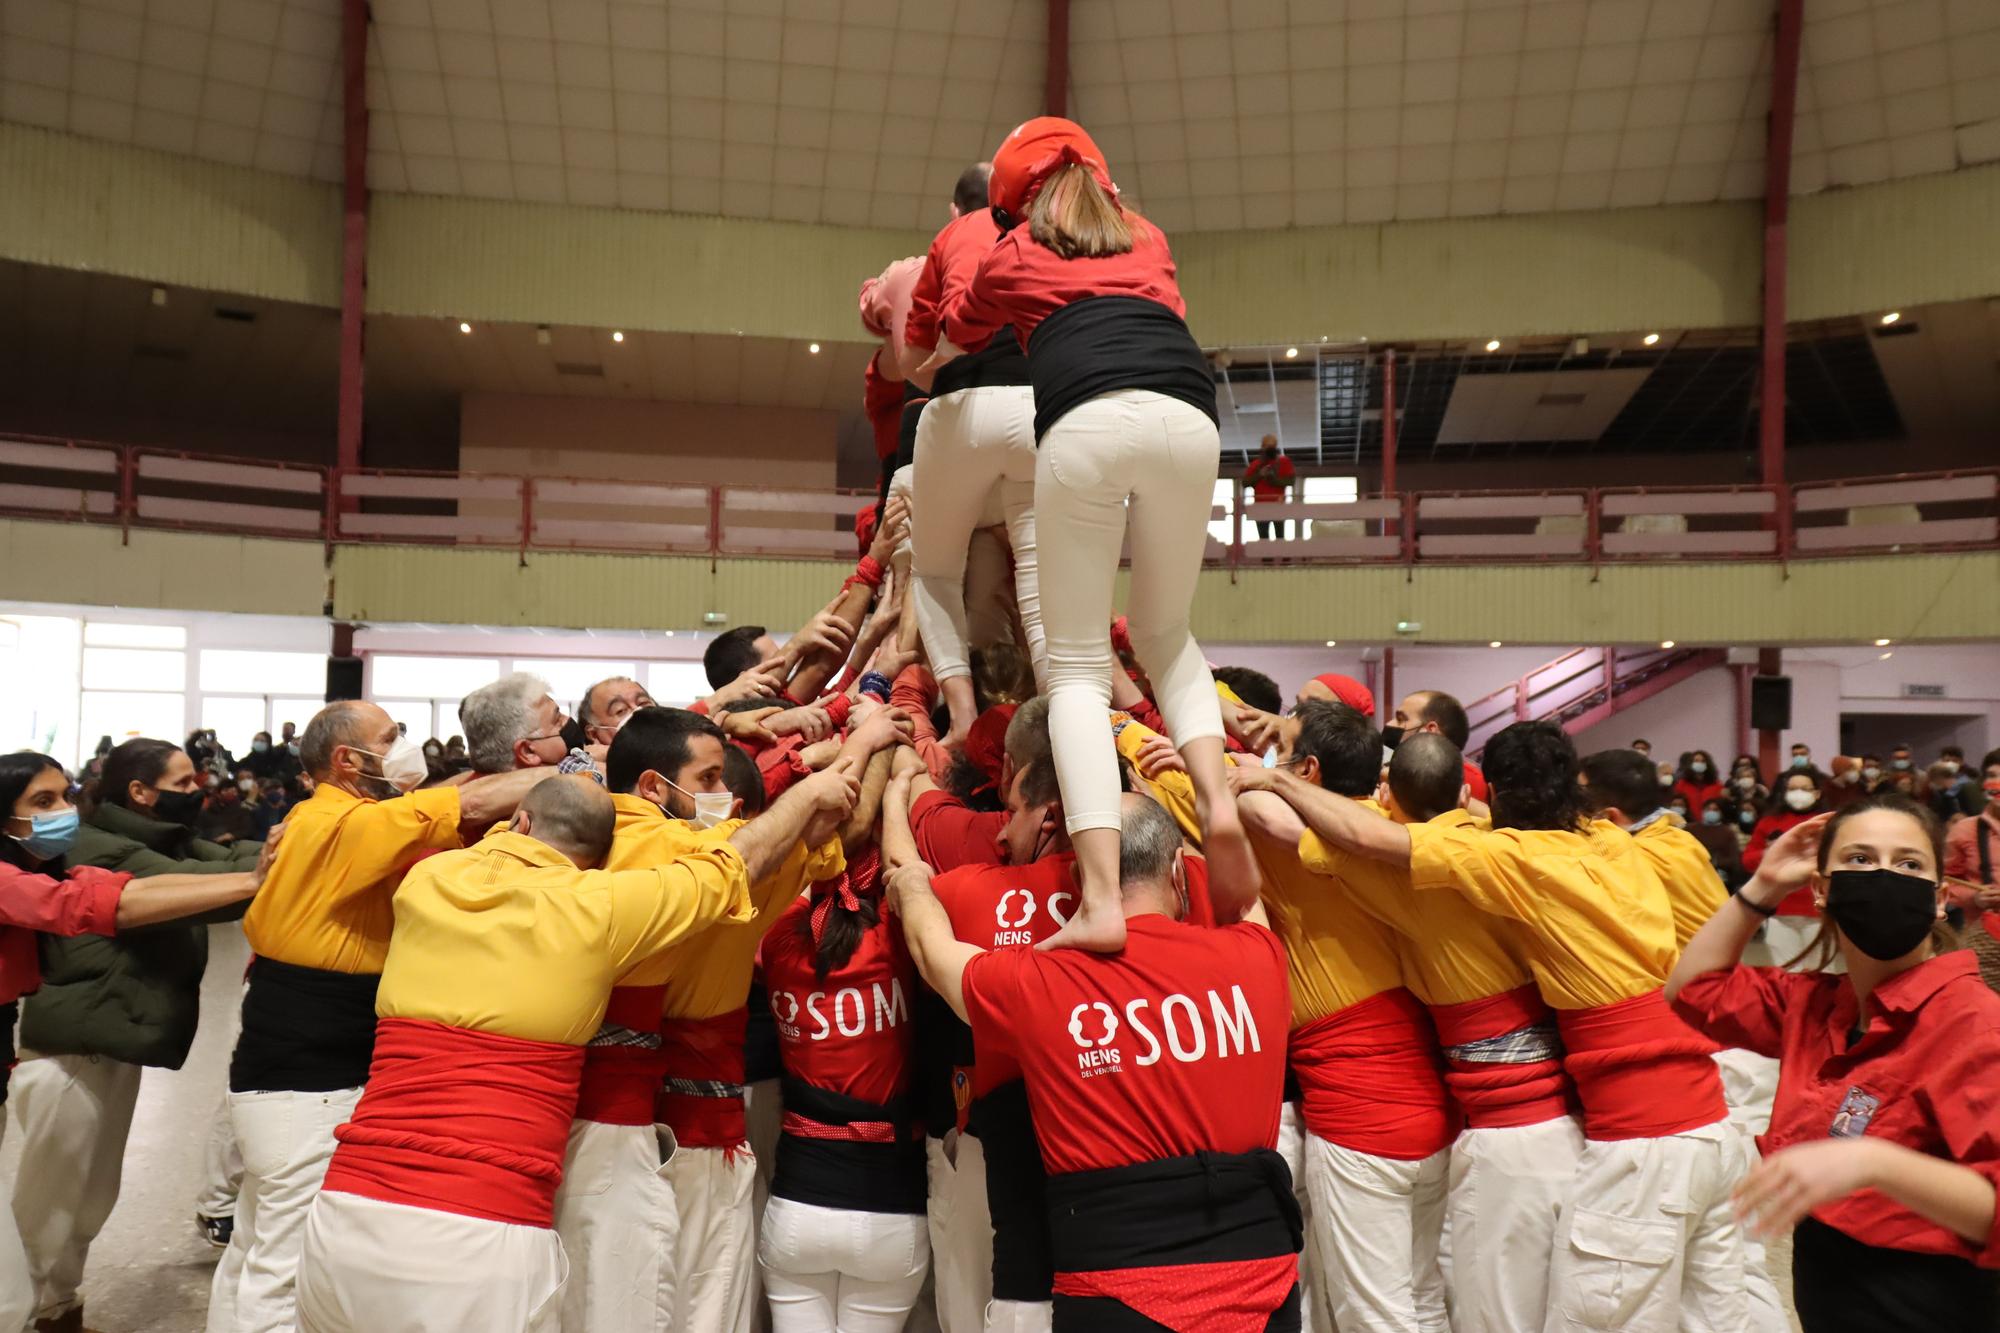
(83, 481)
(1583, 687)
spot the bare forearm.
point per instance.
(1344, 823)
(820, 666)
(1955, 1197)
(1717, 946)
(940, 956)
(147, 902)
(489, 800)
(899, 844)
(856, 832)
(768, 839)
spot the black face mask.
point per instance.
(178, 807)
(573, 735)
(1885, 913)
(1392, 736)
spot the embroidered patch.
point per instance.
(1857, 1108)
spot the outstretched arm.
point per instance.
(1334, 818)
(1718, 945)
(939, 955)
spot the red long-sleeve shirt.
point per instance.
(882, 401)
(949, 266)
(83, 903)
(1925, 1074)
(1022, 282)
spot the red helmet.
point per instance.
(1033, 153)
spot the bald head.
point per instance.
(571, 814)
(1147, 846)
(355, 723)
(1426, 775)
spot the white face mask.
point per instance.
(710, 807)
(403, 767)
(1801, 801)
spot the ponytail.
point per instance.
(844, 909)
(1078, 218)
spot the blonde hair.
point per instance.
(1078, 218)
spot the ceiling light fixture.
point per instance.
(1494, 644)
(1881, 643)
(1666, 643)
(542, 334)
(617, 335)
(813, 348)
(1492, 344)
(1650, 339)
(1332, 644)
(464, 327)
(1892, 317)
(1291, 352)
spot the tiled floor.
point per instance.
(149, 1270)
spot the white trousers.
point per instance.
(764, 1116)
(1647, 1241)
(287, 1140)
(1505, 1194)
(1375, 1230)
(1142, 456)
(837, 1270)
(1315, 1306)
(17, 1289)
(1749, 1086)
(222, 1163)
(715, 1253)
(373, 1267)
(616, 1219)
(961, 1231)
(972, 444)
(75, 1113)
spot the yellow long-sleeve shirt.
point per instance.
(326, 901)
(709, 973)
(510, 937)
(1694, 891)
(1596, 927)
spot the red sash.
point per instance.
(1232, 1296)
(620, 1080)
(1640, 1072)
(1501, 1093)
(1370, 1079)
(702, 1100)
(459, 1121)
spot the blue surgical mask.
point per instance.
(52, 834)
(1711, 816)
(1801, 761)
(1271, 757)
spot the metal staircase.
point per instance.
(1584, 687)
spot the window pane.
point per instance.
(569, 677)
(251, 671)
(299, 711)
(121, 715)
(234, 720)
(676, 683)
(412, 713)
(1331, 490)
(103, 634)
(447, 719)
(38, 685)
(134, 669)
(1223, 529)
(429, 677)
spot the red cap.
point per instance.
(1349, 691)
(986, 743)
(1033, 153)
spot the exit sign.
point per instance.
(1923, 691)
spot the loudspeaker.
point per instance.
(1770, 703)
(343, 678)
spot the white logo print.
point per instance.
(1061, 917)
(1027, 909)
(1076, 1024)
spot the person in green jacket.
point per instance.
(109, 1006)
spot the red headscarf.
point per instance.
(1350, 691)
(864, 527)
(861, 879)
(1035, 151)
(986, 742)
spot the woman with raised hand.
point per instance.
(1884, 1143)
(1125, 426)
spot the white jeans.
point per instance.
(1315, 1307)
(1749, 1086)
(75, 1113)
(222, 1163)
(1142, 456)
(838, 1270)
(287, 1140)
(17, 1290)
(616, 1218)
(1375, 1227)
(961, 1231)
(374, 1267)
(764, 1117)
(1506, 1192)
(970, 445)
(715, 1253)
(1647, 1241)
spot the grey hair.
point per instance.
(585, 715)
(1147, 843)
(496, 716)
(331, 727)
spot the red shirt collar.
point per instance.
(1901, 996)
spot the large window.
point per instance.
(257, 671)
(392, 675)
(569, 677)
(676, 683)
(134, 683)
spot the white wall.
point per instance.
(1697, 714)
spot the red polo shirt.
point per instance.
(948, 269)
(1022, 282)
(951, 834)
(1925, 1074)
(1175, 1045)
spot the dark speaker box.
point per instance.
(1771, 703)
(343, 678)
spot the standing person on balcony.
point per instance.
(1269, 478)
(1697, 779)
(975, 456)
(1125, 419)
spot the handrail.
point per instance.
(87, 481)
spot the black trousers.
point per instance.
(1844, 1286)
(1264, 526)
